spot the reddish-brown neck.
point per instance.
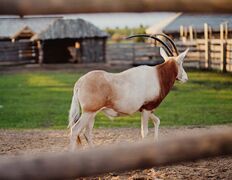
(167, 73)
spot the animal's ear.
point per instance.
(181, 57)
(163, 54)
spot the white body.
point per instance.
(132, 88)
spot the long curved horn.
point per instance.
(155, 38)
(169, 39)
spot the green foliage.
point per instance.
(117, 37)
(124, 32)
(140, 30)
(42, 100)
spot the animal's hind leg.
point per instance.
(89, 131)
(144, 123)
(156, 122)
(78, 127)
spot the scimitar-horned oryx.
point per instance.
(140, 88)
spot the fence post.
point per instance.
(191, 33)
(223, 49)
(207, 63)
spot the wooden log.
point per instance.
(9, 58)
(11, 50)
(117, 158)
(9, 44)
(30, 7)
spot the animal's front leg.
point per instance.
(156, 122)
(144, 123)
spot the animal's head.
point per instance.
(179, 58)
(182, 75)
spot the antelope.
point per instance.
(140, 88)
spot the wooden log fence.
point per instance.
(209, 53)
(30, 7)
(212, 54)
(117, 158)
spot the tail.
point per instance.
(74, 112)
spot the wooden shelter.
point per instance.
(15, 35)
(51, 40)
(72, 39)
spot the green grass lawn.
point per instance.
(42, 100)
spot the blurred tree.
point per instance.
(140, 30)
(117, 34)
(117, 37)
(110, 31)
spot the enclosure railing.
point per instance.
(211, 54)
(117, 158)
(208, 53)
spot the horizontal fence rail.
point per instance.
(27, 7)
(117, 158)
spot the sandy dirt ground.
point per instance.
(16, 142)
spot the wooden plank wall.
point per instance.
(132, 53)
(93, 50)
(18, 52)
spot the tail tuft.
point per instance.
(74, 112)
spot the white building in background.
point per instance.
(158, 27)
